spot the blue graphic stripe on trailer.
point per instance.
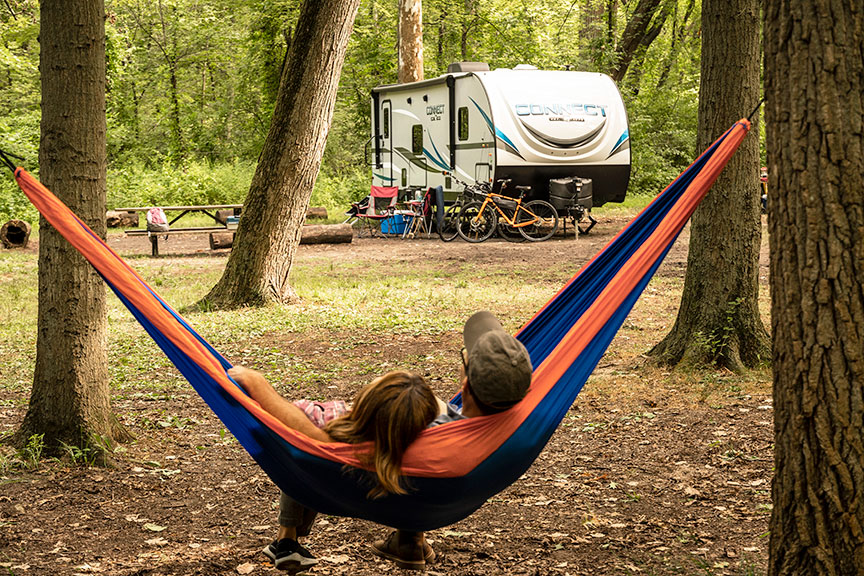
(621, 140)
(441, 160)
(498, 133)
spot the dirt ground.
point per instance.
(651, 473)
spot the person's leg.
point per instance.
(409, 550)
(295, 521)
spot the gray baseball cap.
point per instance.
(499, 367)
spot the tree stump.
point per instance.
(118, 219)
(15, 234)
(310, 234)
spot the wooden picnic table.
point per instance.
(209, 210)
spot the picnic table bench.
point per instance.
(210, 210)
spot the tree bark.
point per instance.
(410, 41)
(718, 321)
(70, 400)
(269, 232)
(814, 80)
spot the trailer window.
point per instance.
(387, 123)
(463, 123)
(417, 139)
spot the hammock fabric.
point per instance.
(454, 468)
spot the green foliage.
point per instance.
(196, 182)
(191, 86)
(31, 453)
(79, 456)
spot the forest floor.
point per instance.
(652, 472)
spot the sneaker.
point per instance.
(408, 554)
(289, 555)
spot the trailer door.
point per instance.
(417, 167)
(385, 170)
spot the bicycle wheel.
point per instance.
(508, 232)
(541, 218)
(449, 229)
(475, 225)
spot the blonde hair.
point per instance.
(390, 412)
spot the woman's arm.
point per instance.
(262, 392)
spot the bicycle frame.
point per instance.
(490, 198)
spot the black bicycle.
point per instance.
(448, 230)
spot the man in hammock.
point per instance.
(496, 374)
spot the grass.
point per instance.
(346, 297)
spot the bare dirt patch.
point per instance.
(650, 473)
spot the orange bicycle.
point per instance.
(535, 220)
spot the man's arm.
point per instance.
(262, 392)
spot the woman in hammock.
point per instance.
(390, 413)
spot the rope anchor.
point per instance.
(7, 159)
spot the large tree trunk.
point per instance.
(410, 41)
(70, 401)
(718, 321)
(269, 231)
(814, 81)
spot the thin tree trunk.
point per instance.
(70, 401)
(468, 19)
(814, 81)
(410, 41)
(441, 30)
(176, 129)
(273, 214)
(718, 321)
(678, 30)
(636, 29)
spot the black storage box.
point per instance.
(567, 193)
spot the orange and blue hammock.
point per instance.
(454, 468)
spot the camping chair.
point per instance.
(420, 215)
(375, 209)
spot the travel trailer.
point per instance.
(523, 124)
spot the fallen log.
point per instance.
(220, 240)
(15, 234)
(310, 234)
(316, 212)
(118, 219)
(326, 234)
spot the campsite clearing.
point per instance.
(651, 472)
